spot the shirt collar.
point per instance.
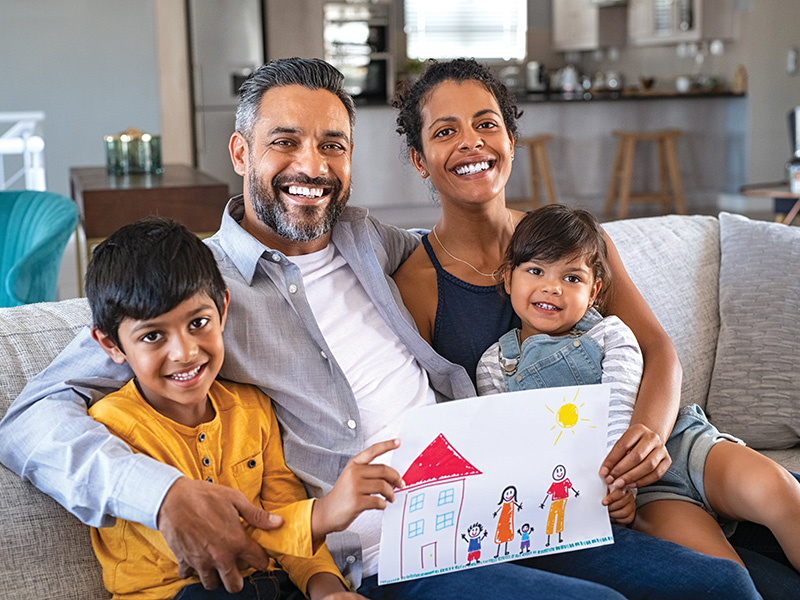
(243, 249)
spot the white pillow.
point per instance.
(755, 385)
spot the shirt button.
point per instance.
(351, 559)
(293, 289)
(202, 437)
(251, 463)
(323, 355)
(206, 461)
(576, 343)
(276, 257)
(351, 424)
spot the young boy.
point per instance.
(159, 302)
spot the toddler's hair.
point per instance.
(146, 269)
(557, 232)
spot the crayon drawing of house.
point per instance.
(433, 498)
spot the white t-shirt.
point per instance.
(385, 378)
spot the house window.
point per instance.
(476, 28)
(416, 528)
(417, 502)
(447, 496)
(444, 520)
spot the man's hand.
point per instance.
(637, 459)
(621, 505)
(361, 486)
(200, 522)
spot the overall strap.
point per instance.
(509, 352)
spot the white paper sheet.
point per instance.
(485, 475)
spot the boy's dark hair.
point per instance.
(557, 232)
(410, 98)
(146, 269)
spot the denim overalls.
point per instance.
(548, 361)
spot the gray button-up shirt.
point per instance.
(271, 340)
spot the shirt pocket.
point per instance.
(247, 474)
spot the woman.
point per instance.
(459, 123)
(460, 126)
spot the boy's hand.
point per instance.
(361, 486)
(637, 459)
(621, 505)
(326, 586)
(200, 522)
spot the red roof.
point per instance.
(439, 461)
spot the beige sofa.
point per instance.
(725, 289)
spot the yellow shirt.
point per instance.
(240, 448)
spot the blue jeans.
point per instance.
(261, 585)
(505, 580)
(640, 566)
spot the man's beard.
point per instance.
(312, 221)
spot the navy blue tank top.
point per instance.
(469, 318)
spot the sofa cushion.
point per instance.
(755, 386)
(674, 261)
(46, 552)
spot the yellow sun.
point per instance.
(567, 416)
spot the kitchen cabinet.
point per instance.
(581, 25)
(663, 22)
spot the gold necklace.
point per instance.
(493, 274)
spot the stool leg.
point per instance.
(627, 175)
(535, 201)
(663, 176)
(544, 172)
(611, 194)
(675, 176)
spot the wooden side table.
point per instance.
(775, 190)
(107, 202)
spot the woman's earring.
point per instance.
(424, 173)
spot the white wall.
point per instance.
(90, 65)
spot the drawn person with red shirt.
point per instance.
(558, 492)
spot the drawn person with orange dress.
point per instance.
(558, 492)
(505, 524)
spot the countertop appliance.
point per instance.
(227, 43)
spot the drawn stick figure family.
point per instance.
(558, 492)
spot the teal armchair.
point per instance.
(35, 228)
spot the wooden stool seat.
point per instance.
(539, 168)
(670, 189)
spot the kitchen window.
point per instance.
(474, 28)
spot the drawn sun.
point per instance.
(567, 416)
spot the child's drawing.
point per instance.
(453, 469)
(505, 524)
(559, 493)
(474, 536)
(432, 501)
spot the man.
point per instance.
(316, 322)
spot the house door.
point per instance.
(429, 556)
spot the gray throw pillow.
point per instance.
(755, 385)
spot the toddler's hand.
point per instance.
(637, 459)
(621, 503)
(361, 486)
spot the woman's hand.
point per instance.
(621, 504)
(637, 459)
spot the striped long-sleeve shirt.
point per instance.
(622, 368)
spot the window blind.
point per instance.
(480, 29)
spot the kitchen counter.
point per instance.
(624, 94)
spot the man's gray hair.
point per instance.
(313, 73)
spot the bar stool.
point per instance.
(539, 168)
(670, 190)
